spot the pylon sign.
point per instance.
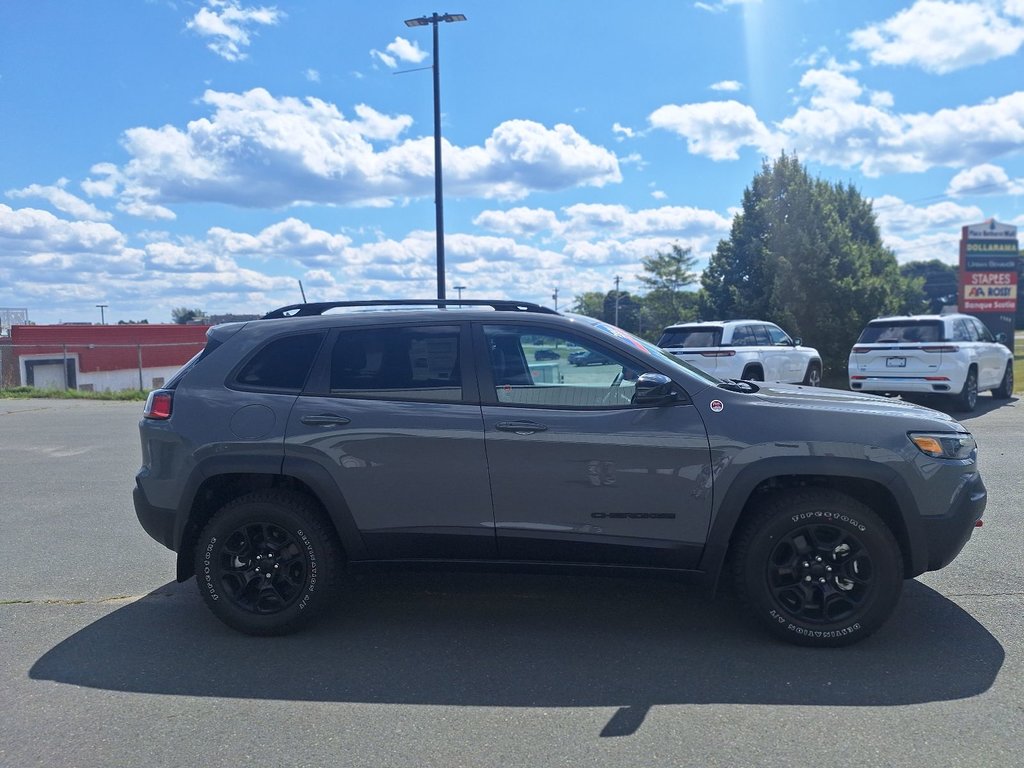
(989, 254)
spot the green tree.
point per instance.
(806, 254)
(185, 315)
(666, 276)
(936, 282)
(590, 304)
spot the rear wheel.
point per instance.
(967, 399)
(1005, 388)
(817, 567)
(267, 563)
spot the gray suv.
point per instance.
(326, 438)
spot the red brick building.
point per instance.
(97, 357)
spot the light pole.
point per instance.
(101, 307)
(617, 279)
(423, 21)
(460, 289)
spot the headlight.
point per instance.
(944, 445)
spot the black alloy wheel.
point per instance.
(267, 562)
(817, 567)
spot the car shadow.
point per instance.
(985, 405)
(501, 640)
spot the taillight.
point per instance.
(948, 348)
(723, 353)
(158, 404)
(861, 350)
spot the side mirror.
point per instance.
(654, 389)
(798, 342)
(1001, 338)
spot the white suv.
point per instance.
(953, 355)
(744, 349)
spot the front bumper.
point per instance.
(946, 535)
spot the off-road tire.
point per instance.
(816, 567)
(268, 562)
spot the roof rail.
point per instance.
(319, 307)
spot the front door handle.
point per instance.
(324, 420)
(520, 427)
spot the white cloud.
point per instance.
(623, 131)
(386, 59)
(405, 50)
(718, 129)
(229, 25)
(62, 200)
(984, 179)
(658, 194)
(256, 150)
(312, 75)
(895, 216)
(941, 36)
(727, 85)
(723, 5)
(843, 124)
(520, 221)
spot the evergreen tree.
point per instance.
(666, 276)
(806, 254)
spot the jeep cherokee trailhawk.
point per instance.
(327, 437)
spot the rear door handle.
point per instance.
(520, 427)
(324, 420)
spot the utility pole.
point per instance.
(103, 317)
(555, 297)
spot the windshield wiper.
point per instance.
(738, 385)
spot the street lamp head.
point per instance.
(425, 21)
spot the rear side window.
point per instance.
(282, 365)
(398, 364)
(691, 337)
(897, 331)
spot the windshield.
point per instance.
(646, 346)
(901, 330)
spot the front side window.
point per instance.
(398, 364)
(778, 336)
(984, 334)
(282, 365)
(555, 370)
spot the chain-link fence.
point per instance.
(92, 367)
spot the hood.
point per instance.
(815, 398)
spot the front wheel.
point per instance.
(818, 568)
(267, 562)
(813, 377)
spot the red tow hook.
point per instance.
(979, 523)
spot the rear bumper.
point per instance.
(909, 384)
(946, 535)
(157, 521)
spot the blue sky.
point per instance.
(213, 153)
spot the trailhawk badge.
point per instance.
(717, 406)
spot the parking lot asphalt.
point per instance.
(105, 661)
